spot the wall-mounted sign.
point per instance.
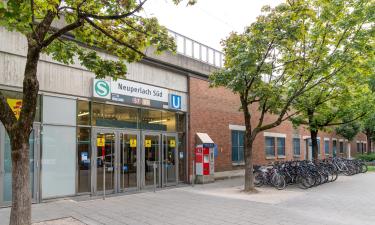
(172, 143)
(133, 143)
(134, 93)
(100, 142)
(148, 143)
(101, 89)
(15, 105)
(139, 90)
(174, 101)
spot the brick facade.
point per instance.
(212, 110)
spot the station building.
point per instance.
(112, 136)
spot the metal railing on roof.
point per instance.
(196, 50)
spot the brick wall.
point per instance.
(213, 109)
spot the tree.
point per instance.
(288, 51)
(113, 26)
(344, 29)
(349, 130)
(338, 102)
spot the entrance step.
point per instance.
(229, 174)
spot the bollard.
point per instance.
(193, 175)
(103, 180)
(154, 165)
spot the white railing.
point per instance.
(198, 51)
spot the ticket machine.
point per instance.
(204, 159)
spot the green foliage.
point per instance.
(113, 26)
(370, 168)
(366, 157)
(349, 130)
(338, 46)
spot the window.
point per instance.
(341, 147)
(318, 146)
(281, 146)
(334, 147)
(270, 146)
(83, 113)
(358, 147)
(364, 147)
(238, 138)
(296, 146)
(106, 115)
(326, 147)
(84, 155)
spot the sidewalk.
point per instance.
(349, 201)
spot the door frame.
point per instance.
(161, 182)
(117, 149)
(118, 155)
(163, 172)
(94, 156)
(143, 154)
(36, 180)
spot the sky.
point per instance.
(208, 21)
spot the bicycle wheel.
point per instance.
(364, 168)
(258, 179)
(278, 181)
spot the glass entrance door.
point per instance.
(128, 168)
(105, 161)
(169, 160)
(151, 153)
(6, 165)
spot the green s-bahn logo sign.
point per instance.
(101, 89)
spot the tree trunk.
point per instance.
(21, 194)
(248, 151)
(314, 143)
(369, 145)
(369, 139)
(249, 178)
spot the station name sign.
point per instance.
(139, 90)
(130, 92)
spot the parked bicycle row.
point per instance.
(306, 174)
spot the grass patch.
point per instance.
(371, 168)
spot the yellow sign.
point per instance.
(147, 143)
(133, 143)
(100, 142)
(15, 105)
(172, 143)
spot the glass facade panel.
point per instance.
(270, 146)
(326, 147)
(168, 120)
(152, 120)
(296, 146)
(281, 146)
(7, 177)
(181, 122)
(105, 166)
(83, 113)
(59, 111)
(182, 157)
(128, 160)
(84, 157)
(105, 115)
(58, 161)
(18, 95)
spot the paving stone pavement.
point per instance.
(348, 201)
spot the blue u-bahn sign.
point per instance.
(174, 101)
